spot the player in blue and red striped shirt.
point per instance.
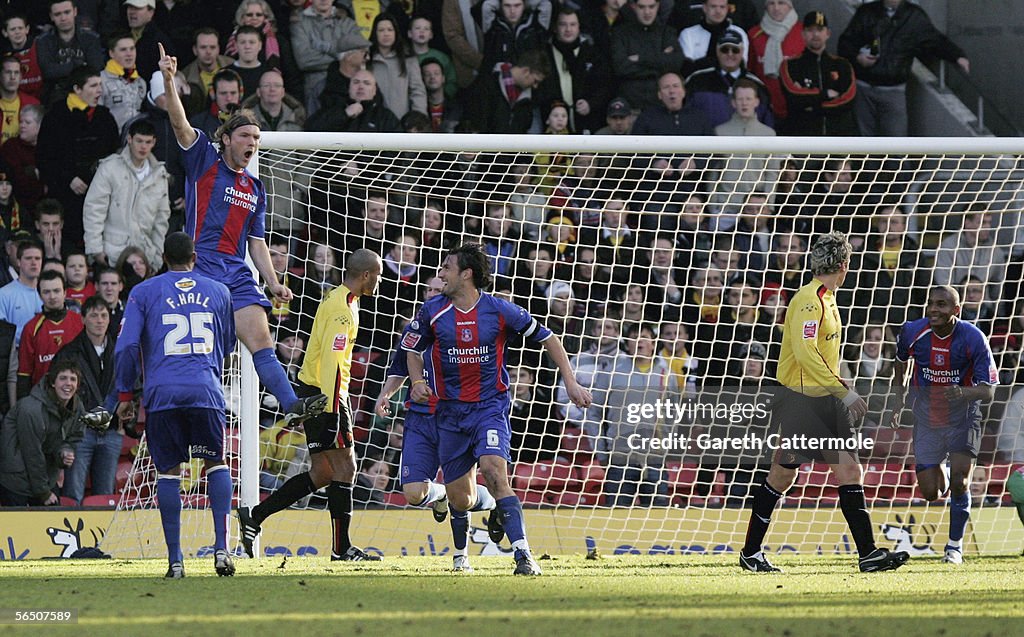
(225, 212)
(465, 332)
(953, 373)
(420, 460)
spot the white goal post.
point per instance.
(547, 208)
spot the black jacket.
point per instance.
(375, 118)
(806, 81)
(908, 34)
(591, 81)
(491, 112)
(638, 81)
(97, 380)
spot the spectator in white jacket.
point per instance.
(127, 203)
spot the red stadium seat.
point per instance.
(544, 479)
(592, 478)
(683, 480)
(575, 446)
(128, 444)
(395, 500)
(104, 501)
(67, 502)
(124, 469)
(998, 474)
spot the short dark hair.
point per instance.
(98, 272)
(472, 256)
(205, 31)
(141, 127)
(75, 252)
(53, 275)
(277, 239)
(49, 206)
(242, 117)
(65, 364)
(178, 249)
(226, 75)
(415, 120)
(746, 83)
(536, 60)
(94, 302)
(80, 76)
(30, 244)
(245, 28)
(116, 37)
(10, 59)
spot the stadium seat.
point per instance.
(591, 476)
(104, 501)
(682, 480)
(124, 469)
(544, 479)
(575, 446)
(395, 500)
(997, 476)
(67, 502)
(128, 444)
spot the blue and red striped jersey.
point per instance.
(177, 329)
(469, 348)
(961, 358)
(223, 208)
(400, 367)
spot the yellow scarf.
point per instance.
(117, 70)
(76, 103)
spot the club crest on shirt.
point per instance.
(467, 335)
(415, 325)
(410, 340)
(810, 329)
(940, 359)
(243, 181)
(185, 284)
(340, 341)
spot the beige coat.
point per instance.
(121, 211)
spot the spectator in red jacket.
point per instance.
(778, 37)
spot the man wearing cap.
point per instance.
(881, 42)
(619, 118)
(673, 115)
(711, 89)
(64, 49)
(698, 42)
(147, 35)
(819, 87)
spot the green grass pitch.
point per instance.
(622, 595)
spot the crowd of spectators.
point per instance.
(663, 275)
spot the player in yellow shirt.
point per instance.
(814, 405)
(327, 369)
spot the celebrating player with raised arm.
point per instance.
(953, 372)
(327, 368)
(466, 333)
(179, 326)
(813, 402)
(420, 460)
(225, 208)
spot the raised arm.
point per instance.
(183, 131)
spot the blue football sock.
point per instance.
(512, 518)
(460, 529)
(273, 377)
(218, 488)
(435, 492)
(484, 499)
(959, 514)
(168, 495)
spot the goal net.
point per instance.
(665, 265)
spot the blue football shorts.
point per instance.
(420, 460)
(173, 436)
(467, 431)
(236, 275)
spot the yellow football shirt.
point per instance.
(328, 362)
(811, 340)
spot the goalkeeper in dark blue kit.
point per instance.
(177, 328)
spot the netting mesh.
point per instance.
(666, 276)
